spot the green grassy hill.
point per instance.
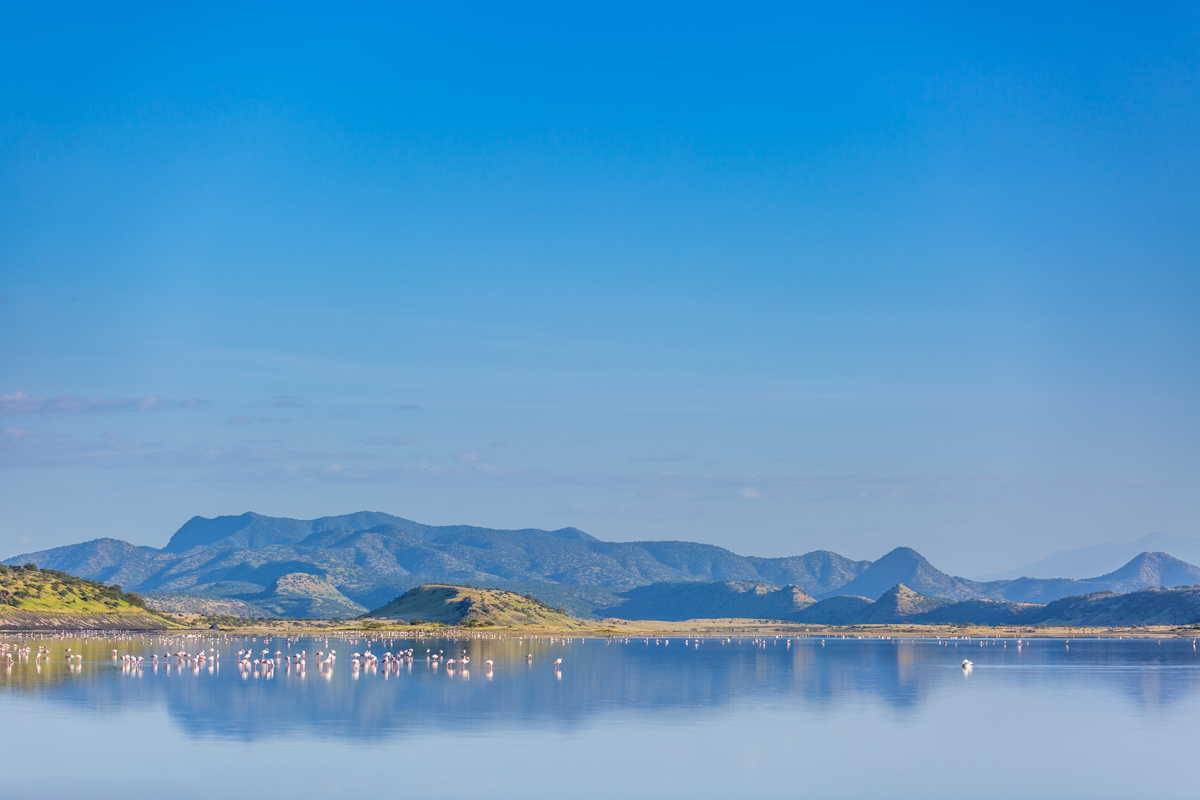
(462, 605)
(36, 598)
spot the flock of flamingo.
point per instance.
(265, 662)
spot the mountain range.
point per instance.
(901, 605)
(371, 557)
(907, 566)
(345, 565)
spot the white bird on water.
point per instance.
(967, 664)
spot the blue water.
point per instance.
(844, 718)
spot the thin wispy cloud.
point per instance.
(408, 407)
(393, 441)
(22, 447)
(675, 457)
(287, 401)
(272, 463)
(19, 403)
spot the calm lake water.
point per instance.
(662, 718)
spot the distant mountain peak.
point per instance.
(573, 533)
(1152, 569)
(256, 530)
(897, 553)
(1098, 559)
(905, 566)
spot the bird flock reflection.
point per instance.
(357, 685)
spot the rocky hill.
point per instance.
(901, 604)
(1157, 606)
(981, 612)
(839, 610)
(206, 605)
(471, 607)
(683, 601)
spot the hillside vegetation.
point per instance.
(35, 598)
(205, 606)
(470, 607)
(299, 594)
(32, 589)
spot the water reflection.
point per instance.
(278, 687)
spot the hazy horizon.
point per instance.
(777, 279)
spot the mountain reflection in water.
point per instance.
(674, 680)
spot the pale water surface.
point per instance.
(843, 718)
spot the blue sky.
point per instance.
(777, 277)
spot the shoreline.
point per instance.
(19, 620)
(700, 629)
